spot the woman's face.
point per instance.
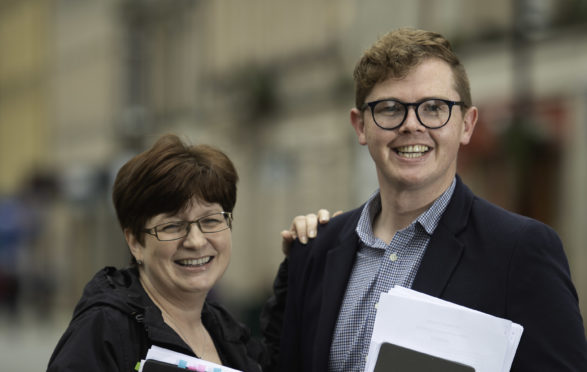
(190, 265)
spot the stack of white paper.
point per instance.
(183, 361)
(433, 326)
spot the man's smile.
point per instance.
(412, 151)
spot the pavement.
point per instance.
(26, 342)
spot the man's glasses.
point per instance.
(180, 229)
(432, 113)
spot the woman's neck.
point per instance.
(184, 316)
(182, 309)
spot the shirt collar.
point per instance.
(428, 220)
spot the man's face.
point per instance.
(413, 157)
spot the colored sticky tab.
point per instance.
(138, 365)
(185, 362)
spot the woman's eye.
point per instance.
(210, 221)
(172, 227)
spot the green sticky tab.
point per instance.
(138, 365)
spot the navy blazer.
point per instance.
(480, 256)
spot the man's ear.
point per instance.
(359, 124)
(136, 248)
(469, 122)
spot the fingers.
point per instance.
(287, 237)
(323, 216)
(305, 227)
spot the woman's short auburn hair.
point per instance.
(165, 179)
(396, 53)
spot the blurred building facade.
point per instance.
(86, 84)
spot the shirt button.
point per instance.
(377, 305)
(393, 257)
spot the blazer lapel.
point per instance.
(440, 259)
(337, 271)
(445, 249)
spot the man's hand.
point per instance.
(304, 228)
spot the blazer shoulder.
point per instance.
(339, 229)
(504, 218)
(479, 221)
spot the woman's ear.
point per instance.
(136, 248)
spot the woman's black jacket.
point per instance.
(115, 323)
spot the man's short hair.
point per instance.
(396, 53)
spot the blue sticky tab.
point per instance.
(182, 364)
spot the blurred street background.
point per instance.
(85, 84)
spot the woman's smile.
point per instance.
(194, 262)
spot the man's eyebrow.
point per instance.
(426, 98)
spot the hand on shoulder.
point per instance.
(304, 227)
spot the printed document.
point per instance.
(440, 328)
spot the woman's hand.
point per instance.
(304, 228)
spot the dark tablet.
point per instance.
(393, 358)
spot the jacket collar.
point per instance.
(135, 301)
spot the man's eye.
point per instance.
(389, 109)
(433, 106)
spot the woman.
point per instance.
(174, 204)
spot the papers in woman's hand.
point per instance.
(182, 361)
(433, 326)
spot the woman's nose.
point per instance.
(195, 236)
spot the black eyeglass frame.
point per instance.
(416, 105)
(227, 216)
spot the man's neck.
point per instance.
(401, 206)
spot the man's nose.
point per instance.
(412, 123)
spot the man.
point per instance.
(424, 228)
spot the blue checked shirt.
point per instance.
(378, 267)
